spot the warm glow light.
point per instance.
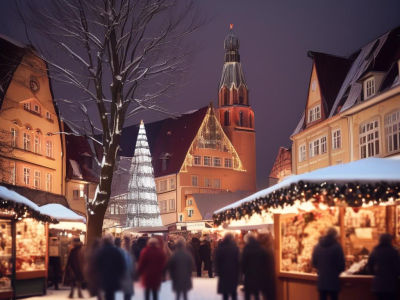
(231, 26)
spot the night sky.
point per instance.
(274, 40)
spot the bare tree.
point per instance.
(122, 55)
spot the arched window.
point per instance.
(250, 121)
(241, 97)
(226, 101)
(227, 121)
(241, 123)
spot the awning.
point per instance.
(249, 227)
(146, 229)
(61, 213)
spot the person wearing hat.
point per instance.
(74, 267)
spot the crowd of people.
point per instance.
(113, 265)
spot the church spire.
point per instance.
(231, 46)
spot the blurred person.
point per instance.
(254, 267)
(92, 272)
(151, 267)
(139, 245)
(205, 255)
(127, 281)
(180, 267)
(74, 266)
(163, 245)
(227, 267)
(329, 261)
(384, 263)
(195, 243)
(111, 267)
(267, 243)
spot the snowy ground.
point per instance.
(203, 289)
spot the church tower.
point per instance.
(234, 110)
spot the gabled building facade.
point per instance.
(353, 107)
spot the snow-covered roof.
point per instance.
(232, 75)
(369, 170)
(6, 194)
(61, 213)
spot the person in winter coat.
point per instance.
(205, 256)
(127, 281)
(227, 267)
(111, 267)
(151, 267)
(266, 242)
(139, 245)
(384, 263)
(196, 247)
(254, 267)
(328, 259)
(74, 266)
(92, 272)
(180, 267)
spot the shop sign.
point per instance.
(196, 226)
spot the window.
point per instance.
(241, 96)
(314, 114)
(336, 139)
(228, 163)
(189, 202)
(36, 180)
(195, 181)
(227, 120)
(217, 161)
(27, 106)
(49, 180)
(392, 131)
(241, 123)
(112, 209)
(48, 115)
(314, 148)
(217, 183)
(164, 164)
(75, 194)
(190, 212)
(37, 144)
(49, 149)
(323, 144)
(302, 153)
(197, 160)
(27, 176)
(172, 185)
(116, 209)
(36, 108)
(27, 141)
(225, 97)
(369, 139)
(163, 185)
(163, 206)
(14, 137)
(171, 204)
(251, 120)
(207, 161)
(369, 88)
(339, 162)
(207, 182)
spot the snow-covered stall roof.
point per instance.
(6, 194)
(61, 213)
(369, 170)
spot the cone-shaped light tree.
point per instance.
(143, 210)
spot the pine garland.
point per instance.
(20, 211)
(331, 194)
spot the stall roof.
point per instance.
(369, 170)
(6, 194)
(146, 229)
(61, 213)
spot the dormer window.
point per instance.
(36, 108)
(48, 115)
(369, 87)
(314, 114)
(27, 106)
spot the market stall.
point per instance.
(360, 199)
(23, 240)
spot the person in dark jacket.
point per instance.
(227, 267)
(92, 272)
(266, 242)
(384, 263)
(196, 248)
(205, 255)
(111, 267)
(139, 245)
(254, 267)
(180, 267)
(328, 259)
(74, 266)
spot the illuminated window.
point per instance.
(37, 144)
(27, 176)
(36, 180)
(369, 88)
(190, 212)
(27, 141)
(228, 163)
(27, 106)
(336, 139)
(392, 131)
(197, 160)
(14, 137)
(314, 114)
(217, 161)
(49, 182)
(302, 153)
(369, 139)
(217, 183)
(207, 182)
(207, 160)
(195, 181)
(49, 149)
(112, 209)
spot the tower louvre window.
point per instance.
(250, 121)
(226, 97)
(226, 119)
(241, 98)
(241, 123)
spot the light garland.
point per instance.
(21, 211)
(330, 194)
(143, 210)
